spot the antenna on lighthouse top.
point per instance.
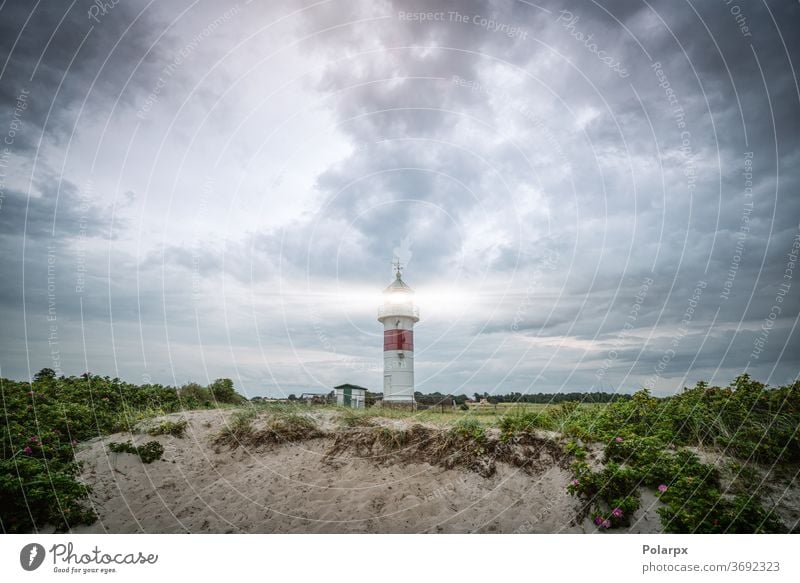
(398, 267)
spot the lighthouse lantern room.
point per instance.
(398, 314)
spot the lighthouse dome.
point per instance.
(398, 285)
(398, 301)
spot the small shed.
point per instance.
(349, 395)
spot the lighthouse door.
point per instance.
(387, 384)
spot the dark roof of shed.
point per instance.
(348, 385)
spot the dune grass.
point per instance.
(255, 426)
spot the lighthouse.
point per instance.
(398, 314)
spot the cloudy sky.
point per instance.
(586, 195)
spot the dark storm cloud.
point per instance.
(651, 223)
(62, 212)
(398, 52)
(492, 153)
(45, 237)
(55, 52)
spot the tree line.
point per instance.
(437, 398)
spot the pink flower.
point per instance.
(617, 513)
(33, 439)
(606, 524)
(618, 439)
(27, 450)
(662, 488)
(74, 442)
(598, 520)
(30, 393)
(574, 482)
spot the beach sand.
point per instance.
(201, 487)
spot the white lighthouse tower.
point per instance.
(398, 314)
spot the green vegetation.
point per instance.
(648, 444)
(469, 428)
(148, 452)
(238, 428)
(437, 399)
(45, 419)
(566, 418)
(193, 396)
(288, 427)
(646, 440)
(278, 425)
(356, 418)
(173, 428)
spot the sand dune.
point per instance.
(293, 488)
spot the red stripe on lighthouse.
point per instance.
(398, 340)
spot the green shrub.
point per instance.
(167, 427)
(45, 419)
(239, 427)
(33, 495)
(148, 453)
(286, 428)
(563, 411)
(128, 418)
(221, 390)
(469, 428)
(575, 449)
(690, 490)
(194, 396)
(351, 418)
(513, 423)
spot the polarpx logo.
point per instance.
(31, 556)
